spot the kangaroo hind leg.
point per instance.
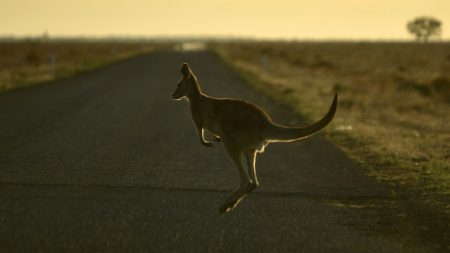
(245, 182)
(250, 158)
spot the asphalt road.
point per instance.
(107, 161)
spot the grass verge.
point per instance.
(392, 119)
(394, 103)
(29, 62)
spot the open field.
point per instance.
(23, 63)
(394, 103)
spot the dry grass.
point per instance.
(23, 63)
(394, 103)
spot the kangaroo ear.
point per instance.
(185, 70)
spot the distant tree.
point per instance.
(424, 27)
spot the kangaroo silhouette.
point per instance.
(242, 127)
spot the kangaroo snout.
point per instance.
(175, 96)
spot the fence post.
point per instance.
(264, 62)
(53, 63)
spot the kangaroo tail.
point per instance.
(279, 133)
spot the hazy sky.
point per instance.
(319, 19)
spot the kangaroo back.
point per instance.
(279, 133)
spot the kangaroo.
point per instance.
(242, 127)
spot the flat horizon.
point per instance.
(205, 38)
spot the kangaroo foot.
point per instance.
(232, 203)
(229, 205)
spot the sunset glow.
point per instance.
(300, 19)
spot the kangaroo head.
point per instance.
(188, 85)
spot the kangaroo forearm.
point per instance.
(201, 137)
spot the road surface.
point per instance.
(107, 162)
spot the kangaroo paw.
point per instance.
(206, 144)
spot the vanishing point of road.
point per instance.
(106, 161)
